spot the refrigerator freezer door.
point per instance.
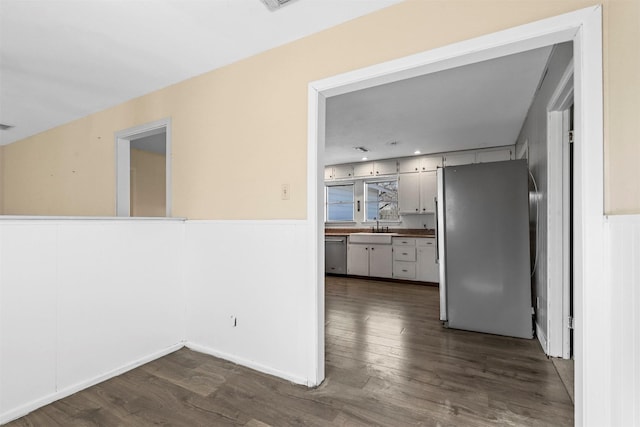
(486, 238)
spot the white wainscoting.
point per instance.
(84, 300)
(256, 271)
(623, 271)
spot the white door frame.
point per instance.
(592, 300)
(123, 140)
(558, 224)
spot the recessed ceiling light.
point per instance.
(416, 152)
(364, 158)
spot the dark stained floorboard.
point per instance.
(389, 362)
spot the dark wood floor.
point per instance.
(389, 362)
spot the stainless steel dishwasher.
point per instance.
(335, 254)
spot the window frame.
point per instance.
(365, 195)
(327, 186)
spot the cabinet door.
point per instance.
(358, 260)
(380, 261)
(410, 164)
(428, 191)
(363, 169)
(343, 171)
(459, 159)
(408, 193)
(493, 155)
(430, 163)
(385, 167)
(426, 266)
(328, 173)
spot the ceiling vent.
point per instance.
(5, 127)
(275, 4)
(361, 149)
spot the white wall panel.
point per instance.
(257, 272)
(28, 288)
(120, 295)
(83, 300)
(623, 266)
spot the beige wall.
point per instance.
(148, 182)
(242, 129)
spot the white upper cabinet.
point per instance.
(456, 159)
(409, 193)
(417, 192)
(419, 164)
(328, 173)
(363, 169)
(428, 191)
(494, 155)
(385, 167)
(409, 164)
(430, 163)
(343, 171)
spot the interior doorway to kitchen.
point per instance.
(143, 170)
(583, 28)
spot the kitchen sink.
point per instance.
(372, 238)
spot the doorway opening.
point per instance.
(583, 28)
(143, 170)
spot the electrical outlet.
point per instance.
(284, 192)
(234, 321)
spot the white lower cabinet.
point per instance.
(369, 260)
(415, 259)
(427, 265)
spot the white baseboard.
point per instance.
(542, 338)
(248, 363)
(68, 391)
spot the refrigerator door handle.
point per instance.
(435, 200)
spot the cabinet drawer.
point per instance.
(426, 242)
(404, 241)
(404, 269)
(404, 253)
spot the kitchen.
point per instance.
(385, 149)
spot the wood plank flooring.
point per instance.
(388, 362)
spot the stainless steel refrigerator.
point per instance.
(483, 247)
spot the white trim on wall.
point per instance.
(558, 233)
(592, 312)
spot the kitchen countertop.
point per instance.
(403, 232)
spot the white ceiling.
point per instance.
(65, 59)
(478, 105)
